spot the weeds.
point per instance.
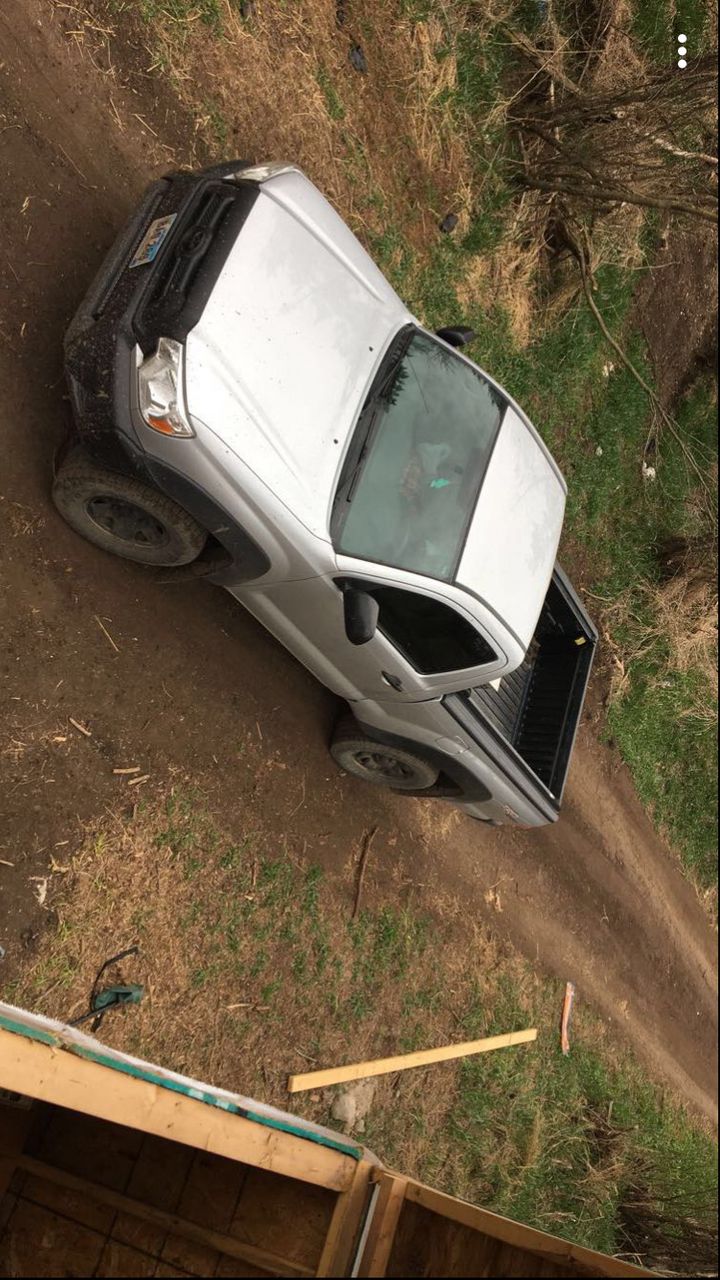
(267, 958)
(657, 29)
(333, 103)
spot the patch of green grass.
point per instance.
(558, 1139)
(597, 427)
(657, 24)
(482, 57)
(673, 758)
(209, 12)
(418, 10)
(333, 101)
(217, 126)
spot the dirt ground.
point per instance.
(677, 309)
(190, 686)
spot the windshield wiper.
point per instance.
(376, 401)
(347, 488)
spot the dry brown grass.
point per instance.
(382, 146)
(678, 618)
(510, 275)
(618, 61)
(252, 966)
(516, 274)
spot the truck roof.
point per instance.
(512, 541)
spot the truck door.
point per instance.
(423, 646)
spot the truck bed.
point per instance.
(535, 710)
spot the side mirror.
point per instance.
(361, 615)
(456, 336)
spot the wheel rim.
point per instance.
(377, 764)
(126, 521)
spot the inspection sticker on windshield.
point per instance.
(149, 246)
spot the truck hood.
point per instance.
(512, 542)
(281, 359)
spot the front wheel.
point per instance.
(374, 762)
(125, 516)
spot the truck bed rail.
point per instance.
(535, 710)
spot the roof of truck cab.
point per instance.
(512, 541)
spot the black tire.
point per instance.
(122, 515)
(376, 763)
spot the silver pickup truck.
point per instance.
(250, 395)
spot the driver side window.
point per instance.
(430, 635)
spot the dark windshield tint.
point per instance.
(415, 487)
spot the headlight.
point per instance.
(161, 390)
(261, 172)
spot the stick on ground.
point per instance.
(362, 862)
(423, 1058)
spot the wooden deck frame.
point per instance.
(551, 1248)
(346, 1224)
(368, 1210)
(381, 1236)
(54, 1075)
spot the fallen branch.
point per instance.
(613, 195)
(362, 863)
(80, 727)
(539, 58)
(105, 631)
(683, 155)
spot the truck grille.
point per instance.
(189, 265)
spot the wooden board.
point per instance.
(346, 1225)
(528, 1239)
(381, 1236)
(169, 1222)
(405, 1061)
(54, 1075)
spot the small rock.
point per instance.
(358, 59)
(599, 451)
(315, 1097)
(344, 1109)
(649, 473)
(354, 1103)
(449, 223)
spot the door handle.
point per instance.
(394, 681)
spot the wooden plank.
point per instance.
(169, 1222)
(404, 1061)
(54, 1075)
(553, 1248)
(346, 1225)
(381, 1236)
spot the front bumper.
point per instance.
(128, 307)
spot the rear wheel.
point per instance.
(122, 515)
(374, 762)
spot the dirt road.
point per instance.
(190, 686)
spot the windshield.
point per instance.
(411, 482)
